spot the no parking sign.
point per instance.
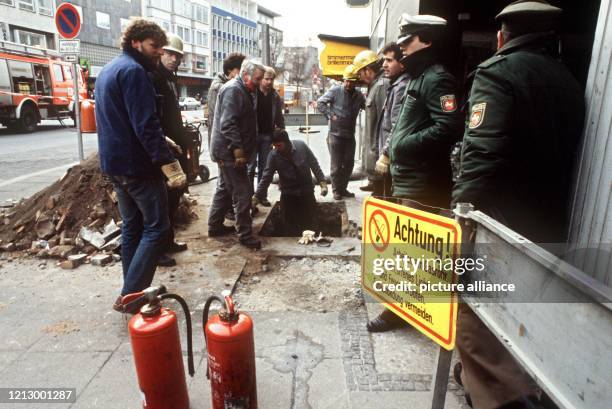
(67, 20)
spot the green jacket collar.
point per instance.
(533, 40)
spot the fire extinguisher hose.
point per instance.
(209, 301)
(188, 321)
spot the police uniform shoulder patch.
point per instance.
(477, 115)
(448, 103)
(491, 61)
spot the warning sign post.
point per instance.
(408, 265)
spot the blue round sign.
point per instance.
(67, 20)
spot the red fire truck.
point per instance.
(35, 84)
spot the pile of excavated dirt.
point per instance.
(76, 218)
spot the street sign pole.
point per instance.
(68, 24)
(77, 110)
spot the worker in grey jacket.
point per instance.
(341, 105)
(294, 162)
(231, 68)
(367, 65)
(234, 136)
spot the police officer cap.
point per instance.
(528, 10)
(411, 25)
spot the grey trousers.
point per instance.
(342, 156)
(233, 190)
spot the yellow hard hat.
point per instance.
(174, 44)
(363, 59)
(349, 73)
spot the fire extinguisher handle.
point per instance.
(229, 305)
(189, 331)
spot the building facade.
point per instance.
(28, 22)
(190, 20)
(234, 29)
(101, 28)
(269, 38)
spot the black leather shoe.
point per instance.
(346, 193)
(386, 321)
(251, 243)
(221, 231)
(166, 261)
(265, 203)
(176, 247)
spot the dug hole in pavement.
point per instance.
(308, 308)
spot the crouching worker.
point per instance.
(293, 160)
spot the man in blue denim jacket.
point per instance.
(134, 153)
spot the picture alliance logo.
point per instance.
(411, 265)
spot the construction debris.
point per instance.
(76, 214)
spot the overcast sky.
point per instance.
(304, 20)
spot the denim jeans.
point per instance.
(143, 204)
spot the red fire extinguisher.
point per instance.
(231, 356)
(156, 346)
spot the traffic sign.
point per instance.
(71, 57)
(69, 46)
(67, 21)
(408, 261)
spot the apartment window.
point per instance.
(7, 2)
(161, 4)
(200, 13)
(45, 7)
(201, 38)
(26, 5)
(103, 20)
(164, 24)
(201, 63)
(182, 7)
(124, 23)
(185, 62)
(33, 39)
(184, 33)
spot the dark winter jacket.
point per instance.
(170, 111)
(235, 125)
(393, 105)
(278, 120)
(374, 104)
(429, 124)
(130, 137)
(526, 114)
(294, 174)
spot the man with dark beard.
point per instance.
(134, 153)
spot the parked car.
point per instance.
(189, 103)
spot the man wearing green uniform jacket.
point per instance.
(525, 118)
(428, 125)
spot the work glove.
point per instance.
(254, 201)
(174, 147)
(308, 236)
(240, 159)
(176, 177)
(382, 164)
(323, 188)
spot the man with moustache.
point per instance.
(233, 143)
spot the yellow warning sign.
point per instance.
(408, 264)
